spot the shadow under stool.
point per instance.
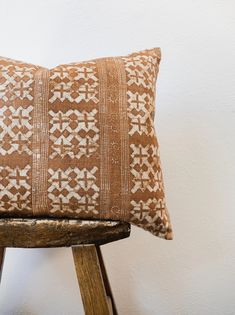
(85, 238)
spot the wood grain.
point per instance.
(90, 280)
(106, 282)
(33, 233)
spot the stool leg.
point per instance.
(90, 280)
(106, 281)
(2, 256)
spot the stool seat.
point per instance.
(85, 238)
(18, 232)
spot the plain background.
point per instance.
(195, 119)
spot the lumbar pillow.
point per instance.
(78, 141)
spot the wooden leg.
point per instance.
(2, 256)
(106, 281)
(90, 280)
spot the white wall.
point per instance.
(195, 273)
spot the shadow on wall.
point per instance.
(16, 267)
(25, 285)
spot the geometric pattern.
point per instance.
(148, 207)
(73, 133)
(141, 70)
(73, 187)
(16, 129)
(16, 82)
(147, 210)
(141, 120)
(15, 188)
(150, 215)
(65, 88)
(147, 176)
(78, 141)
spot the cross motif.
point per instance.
(61, 90)
(86, 180)
(18, 177)
(136, 76)
(60, 71)
(86, 204)
(63, 148)
(86, 91)
(86, 73)
(61, 204)
(139, 124)
(60, 179)
(60, 120)
(138, 102)
(142, 209)
(88, 147)
(141, 180)
(86, 119)
(21, 89)
(20, 117)
(141, 156)
(20, 142)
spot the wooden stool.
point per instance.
(85, 237)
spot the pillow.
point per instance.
(78, 141)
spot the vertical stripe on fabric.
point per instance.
(124, 135)
(114, 139)
(40, 142)
(104, 139)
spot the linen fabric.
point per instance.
(78, 141)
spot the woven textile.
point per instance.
(78, 141)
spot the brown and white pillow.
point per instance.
(78, 141)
